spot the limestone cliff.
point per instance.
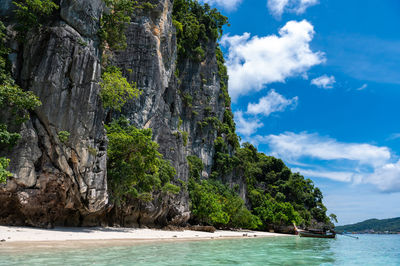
(66, 183)
(55, 182)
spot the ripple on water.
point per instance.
(368, 250)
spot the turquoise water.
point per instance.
(368, 250)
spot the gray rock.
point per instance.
(65, 179)
(83, 16)
(58, 183)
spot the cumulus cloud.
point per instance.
(386, 177)
(340, 161)
(254, 62)
(227, 4)
(278, 7)
(324, 82)
(295, 146)
(246, 127)
(273, 102)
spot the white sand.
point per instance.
(25, 234)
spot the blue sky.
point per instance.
(317, 83)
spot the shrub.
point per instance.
(195, 167)
(195, 24)
(113, 23)
(32, 13)
(185, 137)
(216, 204)
(63, 136)
(135, 167)
(4, 174)
(188, 100)
(116, 90)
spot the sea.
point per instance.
(366, 250)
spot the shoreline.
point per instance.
(73, 237)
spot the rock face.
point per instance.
(65, 183)
(150, 61)
(55, 182)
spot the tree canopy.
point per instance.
(196, 24)
(135, 167)
(115, 89)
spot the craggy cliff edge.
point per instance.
(59, 166)
(57, 183)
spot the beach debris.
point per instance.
(3, 240)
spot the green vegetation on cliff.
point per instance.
(32, 14)
(115, 89)
(276, 196)
(196, 25)
(390, 225)
(17, 102)
(215, 203)
(113, 23)
(135, 167)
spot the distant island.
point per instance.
(373, 226)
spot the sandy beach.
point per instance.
(64, 236)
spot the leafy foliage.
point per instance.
(32, 13)
(135, 167)
(214, 203)
(228, 141)
(272, 211)
(195, 167)
(113, 23)
(8, 139)
(4, 174)
(16, 100)
(196, 25)
(12, 97)
(63, 136)
(116, 90)
(277, 195)
(223, 161)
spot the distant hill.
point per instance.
(392, 225)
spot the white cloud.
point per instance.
(245, 126)
(363, 87)
(254, 62)
(278, 7)
(227, 4)
(273, 102)
(334, 175)
(386, 177)
(340, 161)
(324, 82)
(295, 146)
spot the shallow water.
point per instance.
(367, 250)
